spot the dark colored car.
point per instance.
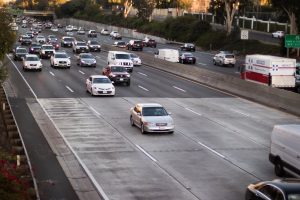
(35, 48)
(55, 44)
(187, 58)
(92, 33)
(281, 189)
(67, 41)
(86, 60)
(135, 45)
(150, 43)
(117, 74)
(188, 47)
(94, 45)
(26, 40)
(19, 53)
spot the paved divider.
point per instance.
(274, 97)
(131, 33)
(12, 141)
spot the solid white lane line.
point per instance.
(52, 73)
(69, 88)
(202, 64)
(179, 89)
(95, 111)
(81, 72)
(22, 76)
(193, 112)
(239, 112)
(210, 149)
(147, 154)
(143, 88)
(142, 74)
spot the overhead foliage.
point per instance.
(144, 7)
(292, 9)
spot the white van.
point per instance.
(120, 58)
(171, 55)
(285, 148)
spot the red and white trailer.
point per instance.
(270, 70)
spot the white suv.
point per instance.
(60, 59)
(32, 61)
(80, 47)
(224, 58)
(46, 51)
(120, 58)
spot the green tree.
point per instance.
(292, 9)
(145, 8)
(7, 38)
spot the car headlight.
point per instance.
(94, 61)
(148, 123)
(95, 88)
(128, 75)
(82, 61)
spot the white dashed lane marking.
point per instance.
(52, 73)
(69, 88)
(142, 74)
(193, 111)
(81, 72)
(179, 89)
(143, 88)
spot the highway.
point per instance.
(220, 144)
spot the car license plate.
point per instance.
(121, 79)
(104, 92)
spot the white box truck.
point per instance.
(171, 55)
(270, 70)
(285, 148)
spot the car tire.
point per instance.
(142, 129)
(171, 132)
(128, 83)
(131, 121)
(278, 168)
(214, 61)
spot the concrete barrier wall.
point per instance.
(130, 33)
(274, 97)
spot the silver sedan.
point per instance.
(151, 117)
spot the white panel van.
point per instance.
(285, 149)
(171, 55)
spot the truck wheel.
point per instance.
(279, 169)
(128, 83)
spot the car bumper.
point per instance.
(67, 44)
(120, 80)
(88, 65)
(82, 50)
(95, 49)
(62, 65)
(159, 129)
(33, 67)
(104, 92)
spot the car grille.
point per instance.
(161, 124)
(33, 65)
(125, 63)
(121, 76)
(62, 62)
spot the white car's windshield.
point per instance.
(32, 58)
(61, 56)
(154, 111)
(81, 44)
(122, 56)
(133, 56)
(101, 80)
(21, 51)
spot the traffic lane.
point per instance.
(43, 83)
(120, 167)
(195, 167)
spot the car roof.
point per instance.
(120, 52)
(44, 45)
(287, 185)
(149, 105)
(98, 76)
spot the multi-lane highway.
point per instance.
(220, 144)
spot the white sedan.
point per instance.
(32, 61)
(100, 85)
(278, 34)
(151, 117)
(135, 59)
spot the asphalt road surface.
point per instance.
(220, 144)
